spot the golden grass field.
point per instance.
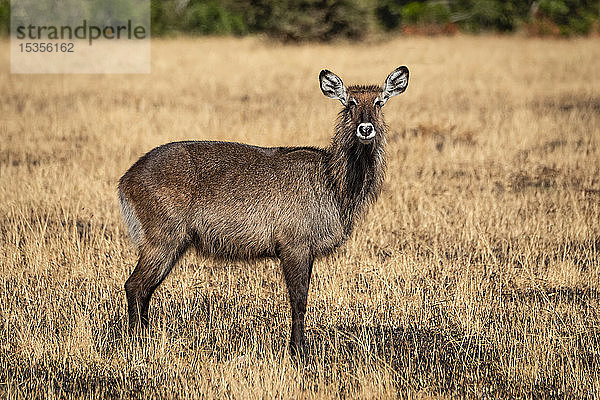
(476, 274)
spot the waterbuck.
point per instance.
(240, 202)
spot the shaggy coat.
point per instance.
(240, 202)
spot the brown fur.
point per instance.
(241, 202)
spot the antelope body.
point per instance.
(241, 202)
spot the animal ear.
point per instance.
(332, 86)
(395, 84)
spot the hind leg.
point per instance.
(152, 268)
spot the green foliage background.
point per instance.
(323, 20)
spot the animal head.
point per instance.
(362, 104)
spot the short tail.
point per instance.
(134, 226)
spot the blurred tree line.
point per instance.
(295, 20)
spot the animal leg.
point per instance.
(297, 269)
(153, 266)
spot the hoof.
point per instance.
(298, 352)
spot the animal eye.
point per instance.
(352, 102)
(377, 102)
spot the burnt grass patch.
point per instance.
(568, 103)
(440, 135)
(585, 297)
(68, 379)
(440, 361)
(540, 177)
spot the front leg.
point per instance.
(297, 267)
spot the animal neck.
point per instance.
(355, 172)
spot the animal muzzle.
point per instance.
(365, 132)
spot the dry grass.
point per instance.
(476, 274)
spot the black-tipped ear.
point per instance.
(332, 86)
(395, 84)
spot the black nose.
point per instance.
(365, 130)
